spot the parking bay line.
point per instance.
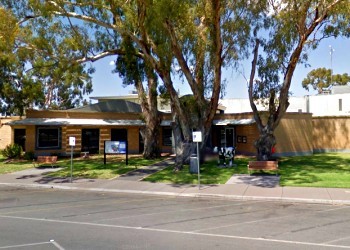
(178, 232)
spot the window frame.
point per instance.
(59, 137)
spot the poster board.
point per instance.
(116, 147)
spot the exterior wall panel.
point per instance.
(331, 134)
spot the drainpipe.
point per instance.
(307, 103)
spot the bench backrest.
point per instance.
(267, 165)
(46, 159)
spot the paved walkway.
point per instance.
(242, 187)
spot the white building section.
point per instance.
(336, 103)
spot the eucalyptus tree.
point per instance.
(35, 70)
(294, 26)
(322, 78)
(201, 35)
(17, 90)
(134, 71)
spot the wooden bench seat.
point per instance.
(41, 160)
(263, 165)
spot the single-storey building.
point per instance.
(47, 132)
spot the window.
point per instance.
(48, 137)
(90, 140)
(167, 136)
(340, 104)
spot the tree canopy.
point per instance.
(322, 78)
(293, 27)
(35, 66)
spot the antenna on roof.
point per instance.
(331, 50)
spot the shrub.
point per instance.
(29, 155)
(12, 151)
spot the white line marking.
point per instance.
(180, 232)
(25, 245)
(58, 246)
(331, 241)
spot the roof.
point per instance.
(64, 121)
(340, 89)
(118, 106)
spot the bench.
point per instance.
(263, 165)
(45, 160)
(84, 155)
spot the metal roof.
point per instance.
(118, 106)
(64, 121)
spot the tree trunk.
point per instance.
(264, 144)
(183, 148)
(151, 146)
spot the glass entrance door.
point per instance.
(230, 137)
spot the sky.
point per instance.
(107, 84)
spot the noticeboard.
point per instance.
(115, 147)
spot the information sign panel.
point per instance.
(115, 147)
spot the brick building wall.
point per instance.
(6, 135)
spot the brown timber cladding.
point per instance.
(331, 133)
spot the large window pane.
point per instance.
(90, 140)
(48, 137)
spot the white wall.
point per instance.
(319, 105)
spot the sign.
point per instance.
(71, 141)
(115, 147)
(197, 136)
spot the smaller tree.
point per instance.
(322, 78)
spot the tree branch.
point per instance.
(250, 88)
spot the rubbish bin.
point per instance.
(193, 164)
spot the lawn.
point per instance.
(13, 166)
(330, 170)
(210, 173)
(92, 167)
(319, 170)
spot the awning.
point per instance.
(165, 123)
(223, 122)
(65, 121)
(226, 122)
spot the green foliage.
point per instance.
(12, 151)
(37, 66)
(322, 78)
(292, 30)
(29, 155)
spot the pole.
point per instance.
(104, 153)
(199, 178)
(331, 53)
(71, 164)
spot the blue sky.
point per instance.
(107, 84)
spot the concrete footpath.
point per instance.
(241, 187)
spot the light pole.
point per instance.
(331, 50)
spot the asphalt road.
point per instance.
(58, 219)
